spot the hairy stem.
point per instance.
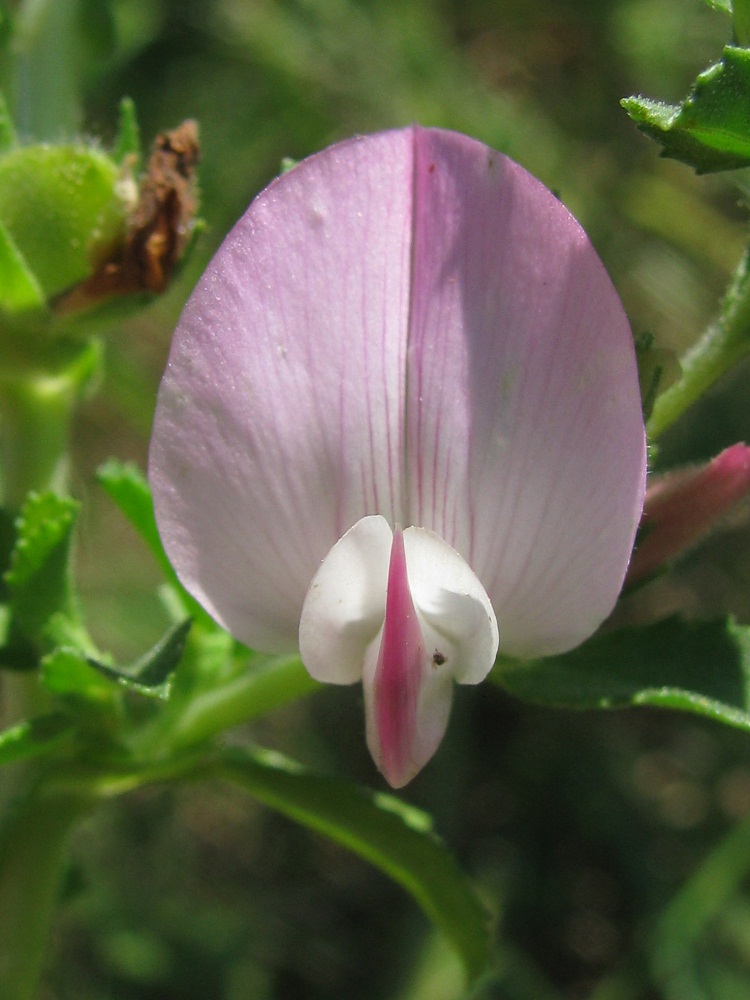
(32, 855)
(246, 697)
(722, 345)
(35, 418)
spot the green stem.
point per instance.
(33, 844)
(250, 695)
(35, 420)
(36, 411)
(41, 381)
(722, 345)
(32, 856)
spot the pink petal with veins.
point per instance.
(280, 415)
(524, 426)
(406, 328)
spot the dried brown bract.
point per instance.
(159, 226)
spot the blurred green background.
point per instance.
(582, 831)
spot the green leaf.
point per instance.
(68, 673)
(16, 652)
(126, 485)
(19, 289)
(39, 580)
(394, 837)
(710, 130)
(35, 737)
(151, 673)
(700, 667)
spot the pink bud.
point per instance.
(682, 507)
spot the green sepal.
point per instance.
(698, 667)
(39, 579)
(150, 674)
(35, 738)
(64, 209)
(394, 837)
(128, 140)
(19, 289)
(68, 673)
(710, 130)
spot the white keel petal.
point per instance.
(345, 605)
(405, 613)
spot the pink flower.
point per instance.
(400, 428)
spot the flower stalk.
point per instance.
(725, 342)
(32, 856)
(35, 421)
(251, 694)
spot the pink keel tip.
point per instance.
(682, 507)
(405, 613)
(398, 672)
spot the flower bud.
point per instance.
(682, 507)
(79, 230)
(63, 209)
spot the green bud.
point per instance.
(88, 236)
(63, 208)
